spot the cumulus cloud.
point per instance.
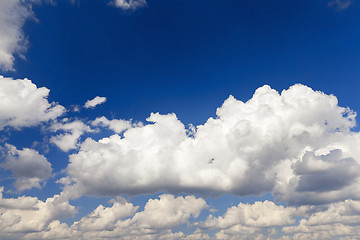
(31, 215)
(279, 143)
(117, 125)
(23, 104)
(73, 131)
(129, 4)
(340, 4)
(94, 102)
(13, 14)
(257, 215)
(123, 220)
(28, 166)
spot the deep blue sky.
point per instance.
(187, 56)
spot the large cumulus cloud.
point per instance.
(275, 142)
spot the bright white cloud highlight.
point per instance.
(94, 102)
(23, 104)
(129, 4)
(73, 131)
(13, 14)
(117, 125)
(31, 215)
(28, 166)
(279, 143)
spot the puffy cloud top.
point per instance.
(27, 165)
(23, 104)
(262, 145)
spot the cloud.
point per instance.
(337, 220)
(23, 104)
(29, 218)
(32, 215)
(27, 165)
(123, 220)
(340, 4)
(117, 125)
(73, 131)
(94, 102)
(129, 4)
(13, 14)
(262, 145)
(257, 215)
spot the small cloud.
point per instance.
(94, 102)
(340, 4)
(129, 4)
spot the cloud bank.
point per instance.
(298, 145)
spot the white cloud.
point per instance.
(94, 102)
(23, 104)
(257, 215)
(340, 4)
(122, 221)
(32, 215)
(129, 4)
(28, 166)
(73, 131)
(117, 125)
(13, 14)
(249, 148)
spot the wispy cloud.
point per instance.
(340, 4)
(129, 4)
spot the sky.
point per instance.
(182, 119)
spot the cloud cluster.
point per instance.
(23, 104)
(28, 166)
(23, 215)
(291, 144)
(121, 221)
(30, 218)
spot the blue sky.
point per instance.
(157, 119)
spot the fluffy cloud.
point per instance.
(94, 102)
(27, 165)
(122, 221)
(22, 215)
(73, 131)
(277, 143)
(13, 14)
(23, 104)
(129, 4)
(337, 220)
(258, 215)
(117, 125)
